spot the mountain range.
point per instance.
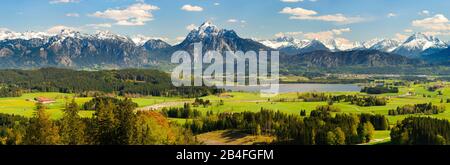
(107, 50)
(415, 46)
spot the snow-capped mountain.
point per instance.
(290, 45)
(368, 44)
(314, 45)
(418, 43)
(285, 41)
(11, 35)
(107, 35)
(69, 48)
(340, 44)
(214, 38)
(386, 45)
(155, 44)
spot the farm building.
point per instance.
(44, 100)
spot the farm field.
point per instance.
(25, 105)
(246, 101)
(241, 101)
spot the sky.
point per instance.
(171, 20)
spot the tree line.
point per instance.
(120, 82)
(319, 128)
(113, 123)
(421, 131)
(363, 101)
(425, 108)
(185, 112)
(379, 90)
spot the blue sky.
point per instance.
(354, 20)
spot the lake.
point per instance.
(288, 88)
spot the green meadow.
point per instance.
(25, 105)
(247, 101)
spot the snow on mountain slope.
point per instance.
(418, 43)
(386, 45)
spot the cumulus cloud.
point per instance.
(98, 26)
(290, 34)
(73, 15)
(400, 37)
(191, 27)
(390, 15)
(424, 13)
(408, 30)
(135, 15)
(434, 33)
(63, 1)
(305, 14)
(232, 21)
(192, 8)
(326, 35)
(436, 23)
(57, 29)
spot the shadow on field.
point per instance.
(233, 135)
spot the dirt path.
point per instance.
(161, 105)
(376, 141)
(179, 103)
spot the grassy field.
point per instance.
(246, 101)
(243, 101)
(25, 105)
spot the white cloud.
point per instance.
(216, 4)
(192, 8)
(178, 40)
(390, 15)
(73, 15)
(298, 11)
(135, 15)
(436, 23)
(326, 35)
(424, 13)
(434, 33)
(63, 1)
(191, 27)
(408, 31)
(98, 26)
(232, 21)
(291, 1)
(322, 35)
(305, 14)
(57, 29)
(291, 34)
(400, 37)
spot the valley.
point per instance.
(239, 101)
(103, 89)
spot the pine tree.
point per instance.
(72, 127)
(42, 130)
(127, 119)
(105, 124)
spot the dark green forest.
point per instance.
(421, 131)
(121, 82)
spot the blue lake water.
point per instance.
(287, 88)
